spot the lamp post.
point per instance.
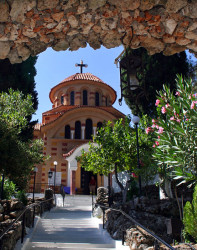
(55, 165)
(131, 89)
(136, 121)
(34, 171)
(50, 174)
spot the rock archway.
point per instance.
(28, 27)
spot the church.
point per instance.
(80, 105)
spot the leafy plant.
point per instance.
(175, 132)
(190, 216)
(9, 189)
(133, 189)
(114, 149)
(22, 196)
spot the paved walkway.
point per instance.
(70, 227)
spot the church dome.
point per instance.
(82, 76)
(78, 82)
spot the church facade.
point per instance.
(80, 104)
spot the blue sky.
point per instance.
(53, 67)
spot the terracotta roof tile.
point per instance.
(82, 76)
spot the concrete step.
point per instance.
(80, 246)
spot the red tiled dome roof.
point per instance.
(82, 76)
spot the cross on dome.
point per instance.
(81, 65)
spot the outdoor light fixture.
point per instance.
(55, 165)
(128, 75)
(50, 174)
(34, 171)
(136, 121)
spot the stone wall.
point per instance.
(28, 27)
(9, 211)
(153, 214)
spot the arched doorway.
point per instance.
(85, 180)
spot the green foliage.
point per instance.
(15, 107)
(17, 157)
(176, 132)
(114, 148)
(190, 216)
(22, 196)
(9, 189)
(133, 190)
(155, 71)
(20, 77)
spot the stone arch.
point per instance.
(33, 26)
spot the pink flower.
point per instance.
(153, 126)
(157, 143)
(190, 97)
(192, 105)
(158, 137)
(157, 102)
(133, 175)
(163, 110)
(178, 120)
(153, 145)
(153, 121)
(172, 118)
(157, 126)
(177, 93)
(187, 119)
(160, 131)
(167, 105)
(149, 129)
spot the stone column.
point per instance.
(72, 133)
(94, 130)
(82, 132)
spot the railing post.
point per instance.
(103, 218)
(156, 245)
(1, 243)
(33, 216)
(123, 237)
(41, 210)
(92, 202)
(23, 227)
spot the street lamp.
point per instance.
(129, 82)
(50, 174)
(55, 165)
(136, 121)
(34, 171)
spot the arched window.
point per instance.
(97, 99)
(77, 130)
(67, 132)
(72, 98)
(88, 129)
(62, 99)
(99, 125)
(85, 97)
(106, 101)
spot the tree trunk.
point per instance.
(123, 190)
(165, 191)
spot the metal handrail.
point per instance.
(2, 234)
(157, 238)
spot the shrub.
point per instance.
(190, 216)
(9, 189)
(22, 196)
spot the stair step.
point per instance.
(89, 246)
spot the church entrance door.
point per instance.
(85, 180)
